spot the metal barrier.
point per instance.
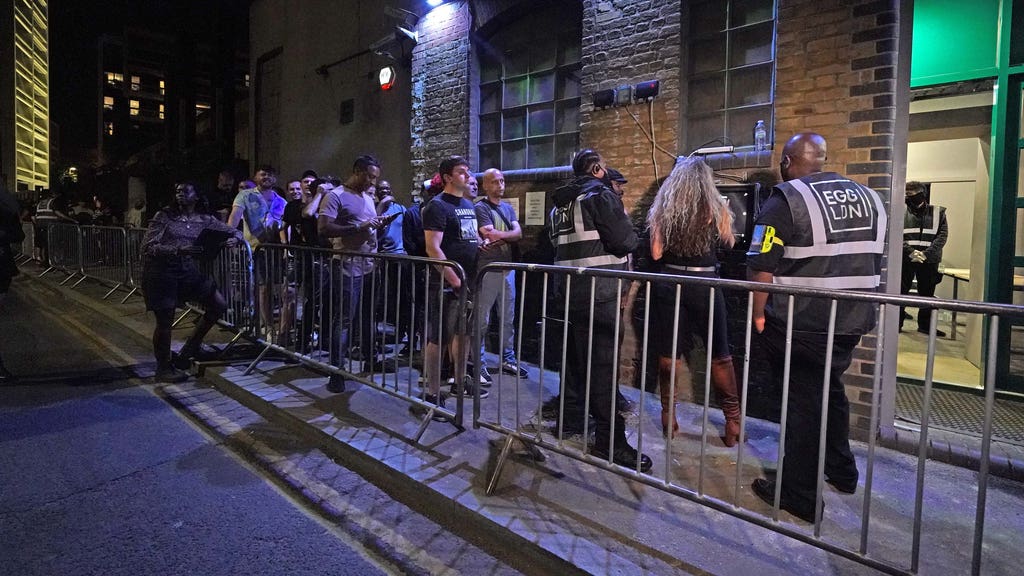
(232, 271)
(521, 422)
(334, 310)
(133, 255)
(64, 245)
(104, 256)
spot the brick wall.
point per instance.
(835, 75)
(625, 42)
(440, 89)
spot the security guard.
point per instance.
(590, 229)
(822, 230)
(50, 210)
(924, 234)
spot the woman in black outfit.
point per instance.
(171, 276)
(688, 220)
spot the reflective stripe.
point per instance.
(934, 229)
(813, 211)
(864, 247)
(592, 261)
(836, 282)
(580, 234)
(921, 243)
(690, 268)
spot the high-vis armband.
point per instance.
(764, 238)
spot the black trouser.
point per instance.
(601, 350)
(928, 278)
(803, 424)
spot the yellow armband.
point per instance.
(764, 238)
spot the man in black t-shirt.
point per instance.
(450, 233)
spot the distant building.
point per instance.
(24, 96)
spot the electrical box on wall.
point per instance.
(646, 90)
(604, 98)
(623, 95)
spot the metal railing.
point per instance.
(334, 305)
(64, 246)
(520, 421)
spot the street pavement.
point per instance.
(98, 475)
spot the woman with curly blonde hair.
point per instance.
(688, 220)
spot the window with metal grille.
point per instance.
(731, 68)
(529, 90)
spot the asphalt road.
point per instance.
(99, 476)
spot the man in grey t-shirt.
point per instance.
(500, 232)
(348, 217)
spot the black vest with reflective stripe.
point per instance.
(837, 243)
(920, 231)
(45, 213)
(578, 244)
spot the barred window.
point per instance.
(529, 90)
(731, 66)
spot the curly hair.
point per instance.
(689, 212)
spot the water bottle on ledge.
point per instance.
(760, 137)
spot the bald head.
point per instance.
(493, 183)
(804, 154)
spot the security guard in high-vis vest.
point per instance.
(589, 229)
(823, 230)
(924, 234)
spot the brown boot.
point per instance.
(668, 401)
(724, 378)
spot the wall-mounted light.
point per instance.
(386, 77)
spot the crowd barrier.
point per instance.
(106, 254)
(346, 312)
(312, 313)
(520, 423)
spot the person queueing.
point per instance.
(589, 228)
(924, 235)
(171, 275)
(688, 221)
(817, 229)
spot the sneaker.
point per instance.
(938, 333)
(438, 400)
(336, 384)
(514, 368)
(485, 376)
(170, 374)
(625, 456)
(470, 388)
(765, 490)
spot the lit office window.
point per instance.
(136, 81)
(108, 128)
(730, 70)
(108, 102)
(161, 112)
(133, 107)
(115, 78)
(162, 87)
(246, 80)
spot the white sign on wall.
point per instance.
(535, 208)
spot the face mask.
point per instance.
(915, 201)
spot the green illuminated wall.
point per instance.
(954, 40)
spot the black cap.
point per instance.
(613, 175)
(309, 174)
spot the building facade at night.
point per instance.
(24, 97)
(512, 84)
